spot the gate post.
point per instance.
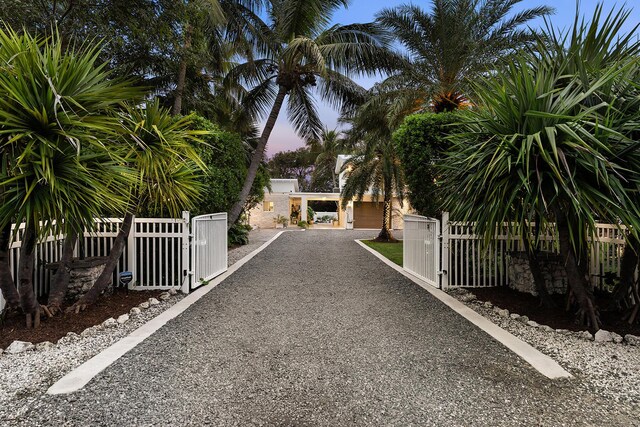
(186, 254)
(444, 254)
(132, 253)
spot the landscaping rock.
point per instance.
(89, 332)
(110, 323)
(603, 336)
(1, 351)
(616, 338)
(468, 297)
(532, 323)
(173, 291)
(563, 331)
(503, 313)
(632, 339)
(153, 301)
(514, 316)
(488, 304)
(72, 336)
(585, 335)
(135, 311)
(19, 347)
(547, 328)
(164, 296)
(523, 319)
(144, 305)
(44, 346)
(123, 319)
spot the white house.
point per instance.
(286, 200)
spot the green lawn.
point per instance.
(392, 251)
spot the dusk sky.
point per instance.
(284, 137)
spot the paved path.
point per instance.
(317, 331)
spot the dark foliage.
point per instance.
(421, 142)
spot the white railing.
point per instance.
(157, 252)
(465, 262)
(421, 247)
(209, 247)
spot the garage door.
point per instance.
(367, 215)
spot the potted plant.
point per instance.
(281, 221)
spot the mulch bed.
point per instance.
(528, 305)
(52, 329)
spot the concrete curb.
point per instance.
(80, 376)
(539, 361)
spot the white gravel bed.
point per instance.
(607, 369)
(25, 376)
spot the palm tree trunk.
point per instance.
(28, 300)
(106, 278)
(577, 277)
(7, 285)
(60, 281)
(385, 233)
(256, 158)
(182, 73)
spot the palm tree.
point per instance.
(166, 170)
(376, 170)
(548, 144)
(61, 164)
(328, 147)
(212, 33)
(449, 46)
(299, 51)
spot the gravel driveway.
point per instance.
(315, 331)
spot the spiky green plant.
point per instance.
(167, 170)
(549, 144)
(61, 162)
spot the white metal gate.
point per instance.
(208, 247)
(421, 248)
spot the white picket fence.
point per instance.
(464, 262)
(158, 252)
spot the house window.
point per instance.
(267, 206)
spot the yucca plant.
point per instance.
(548, 145)
(167, 168)
(61, 165)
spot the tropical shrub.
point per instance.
(303, 224)
(552, 142)
(225, 157)
(238, 234)
(62, 158)
(421, 143)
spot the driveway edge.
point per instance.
(80, 376)
(539, 361)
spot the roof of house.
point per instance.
(284, 185)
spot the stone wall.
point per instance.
(521, 278)
(261, 219)
(83, 274)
